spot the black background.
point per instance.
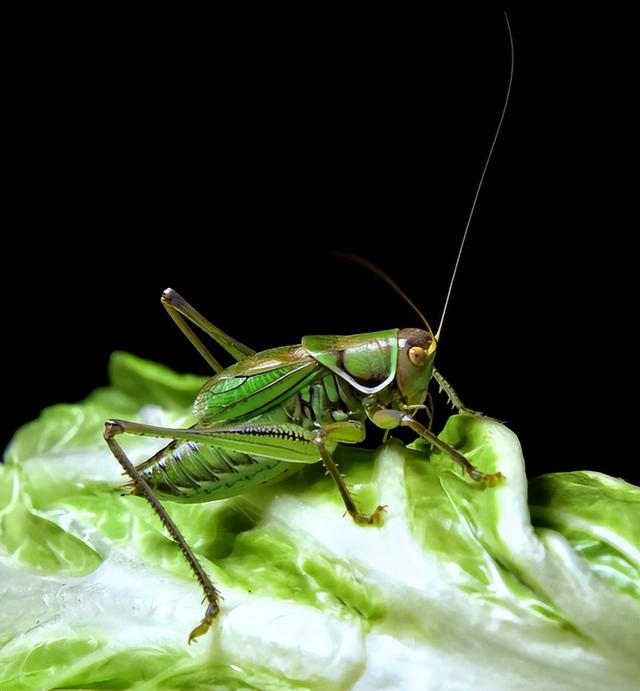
(225, 149)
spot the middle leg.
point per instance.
(355, 433)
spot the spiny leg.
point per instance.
(285, 442)
(387, 418)
(211, 594)
(489, 479)
(453, 397)
(332, 469)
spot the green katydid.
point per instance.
(263, 417)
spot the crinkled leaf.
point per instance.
(462, 587)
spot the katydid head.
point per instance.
(416, 355)
(416, 347)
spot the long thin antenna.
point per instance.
(484, 171)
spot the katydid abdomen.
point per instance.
(193, 471)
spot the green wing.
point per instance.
(255, 385)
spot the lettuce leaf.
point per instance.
(522, 586)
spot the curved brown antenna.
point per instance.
(387, 279)
(484, 172)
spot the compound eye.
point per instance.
(418, 356)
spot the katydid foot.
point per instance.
(205, 624)
(489, 479)
(370, 519)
